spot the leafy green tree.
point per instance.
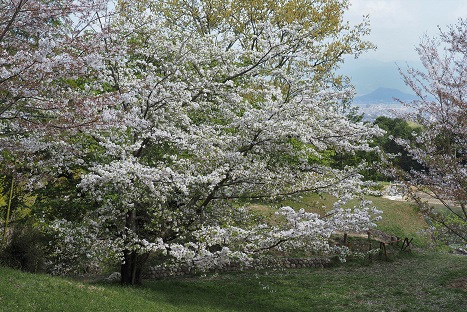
(397, 128)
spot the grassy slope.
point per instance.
(398, 218)
(412, 283)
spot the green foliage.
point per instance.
(397, 128)
(59, 199)
(20, 200)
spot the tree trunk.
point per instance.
(131, 268)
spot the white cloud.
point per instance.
(398, 25)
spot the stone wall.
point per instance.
(161, 271)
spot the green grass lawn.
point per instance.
(418, 282)
(409, 282)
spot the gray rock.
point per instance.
(115, 276)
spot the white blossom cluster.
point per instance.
(191, 122)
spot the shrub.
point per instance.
(26, 248)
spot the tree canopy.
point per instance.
(199, 107)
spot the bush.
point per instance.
(26, 249)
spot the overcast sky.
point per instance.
(396, 28)
(398, 25)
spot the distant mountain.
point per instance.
(384, 96)
(367, 75)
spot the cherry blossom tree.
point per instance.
(48, 50)
(49, 95)
(441, 112)
(217, 109)
(175, 114)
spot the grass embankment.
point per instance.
(399, 218)
(421, 282)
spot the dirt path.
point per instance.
(423, 196)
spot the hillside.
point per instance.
(418, 282)
(409, 282)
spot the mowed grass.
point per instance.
(415, 282)
(401, 219)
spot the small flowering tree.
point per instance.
(441, 145)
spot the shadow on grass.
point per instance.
(227, 293)
(414, 282)
(313, 290)
(350, 287)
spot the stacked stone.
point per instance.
(161, 271)
(306, 262)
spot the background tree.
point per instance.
(46, 54)
(49, 58)
(397, 128)
(42, 51)
(387, 152)
(441, 112)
